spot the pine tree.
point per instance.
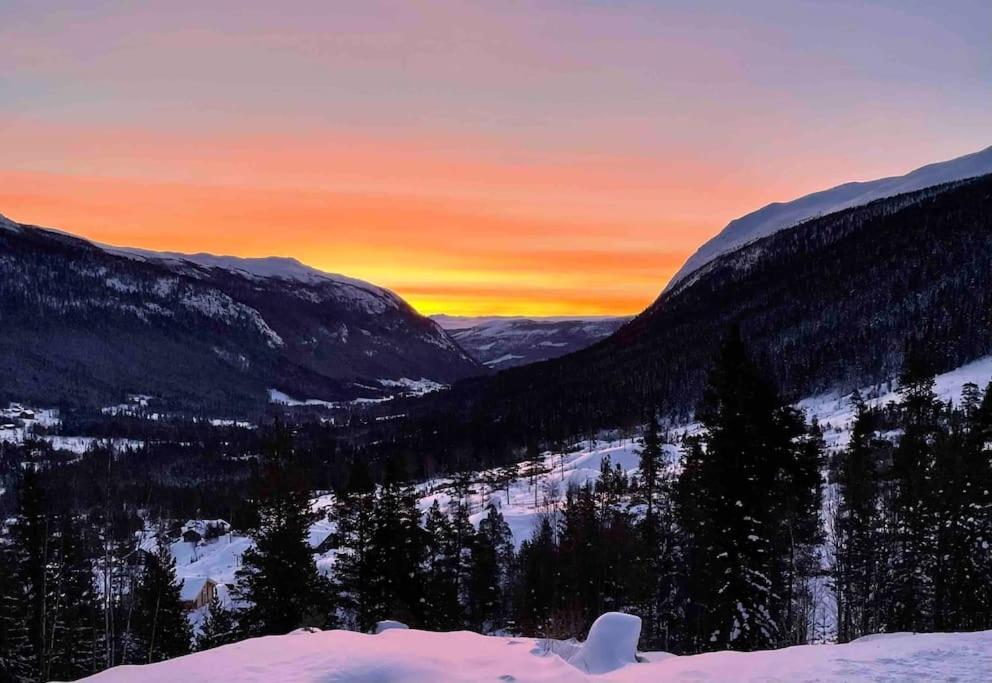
(977, 612)
(745, 505)
(654, 562)
(911, 515)
(355, 566)
(28, 601)
(398, 549)
(442, 610)
(491, 556)
(162, 629)
(537, 586)
(278, 583)
(76, 629)
(858, 542)
(219, 626)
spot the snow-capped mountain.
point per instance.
(503, 342)
(85, 323)
(781, 215)
(830, 305)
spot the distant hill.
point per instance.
(504, 342)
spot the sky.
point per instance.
(532, 158)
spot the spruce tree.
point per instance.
(278, 583)
(491, 556)
(537, 587)
(858, 541)
(29, 599)
(745, 507)
(442, 609)
(355, 580)
(399, 549)
(162, 629)
(911, 515)
(219, 626)
(76, 628)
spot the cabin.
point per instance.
(197, 592)
(195, 530)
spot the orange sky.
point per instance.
(544, 158)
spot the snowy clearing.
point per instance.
(410, 656)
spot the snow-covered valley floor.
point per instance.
(409, 656)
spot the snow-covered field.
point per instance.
(410, 656)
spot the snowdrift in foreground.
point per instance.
(410, 656)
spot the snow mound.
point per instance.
(612, 644)
(411, 656)
(389, 625)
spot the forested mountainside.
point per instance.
(87, 325)
(501, 343)
(833, 303)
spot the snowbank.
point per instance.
(389, 625)
(612, 644)
(411, 656)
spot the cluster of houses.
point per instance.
(195, 591)
(14, 412)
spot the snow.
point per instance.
(522, 509)
(505, 358)
(9, 225)
(388, 625)
(371, 298)
(412, 656)
(779, 216)
(192, 586)
(276, 396)
(835, 412)
(611, 645)
(15, 414)
(413, 387)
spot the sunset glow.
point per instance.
(478, 158)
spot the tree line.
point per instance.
(733, 547)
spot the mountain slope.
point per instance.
(501, 343)
(781, 215)
(830, 304)
(84, 324)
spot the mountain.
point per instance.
(832, 304)
(88, 324)
(504, 342)
(782, 215)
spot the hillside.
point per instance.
(782, 215)
(830, 304)
(89, 325)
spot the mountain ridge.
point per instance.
(88, 324)
(785, 215)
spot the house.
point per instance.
(197, 591)
(196, 529)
